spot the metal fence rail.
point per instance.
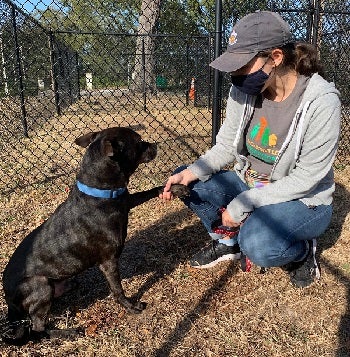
(59, 80)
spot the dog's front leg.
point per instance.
(138, 198)
(110, 269)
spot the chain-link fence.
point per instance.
(69, 67)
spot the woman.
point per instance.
(281, 130)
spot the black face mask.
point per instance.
(251, 83)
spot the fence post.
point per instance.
(187, 72)
(78, 73)
(3, 62)
(314, 38)
(209, 77)
(144, 74)
(216, 110)
(20, 74)
(53, 73)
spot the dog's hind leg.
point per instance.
(38, 303)
(32, 298)
(16, 329)
(38, 292)
(110, 269)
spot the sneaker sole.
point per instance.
(235, 256)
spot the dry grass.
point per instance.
(210, 313)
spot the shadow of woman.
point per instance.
(341, 207)
(340, 212)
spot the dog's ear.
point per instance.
(85, 140)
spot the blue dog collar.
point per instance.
(96, 192)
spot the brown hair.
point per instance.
(301, 56)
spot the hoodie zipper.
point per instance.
(247, 112)
(298, 118)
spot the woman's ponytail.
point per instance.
(302, 57)
(307, 61)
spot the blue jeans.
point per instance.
(272, 235)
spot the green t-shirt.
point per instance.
(268, 128)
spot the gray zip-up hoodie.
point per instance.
(303, 168)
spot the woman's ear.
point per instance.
(277, 56)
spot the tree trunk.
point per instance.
(143, 75)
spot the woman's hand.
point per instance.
(184, 177)
(227, 220)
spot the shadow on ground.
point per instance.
(341, 210)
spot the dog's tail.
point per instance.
(15, 332)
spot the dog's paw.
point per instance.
(179, 190)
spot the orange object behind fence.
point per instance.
(192, 91)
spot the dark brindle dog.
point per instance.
(89, 228)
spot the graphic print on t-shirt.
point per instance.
(269, 125)
(261, 143)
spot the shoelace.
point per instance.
(317, 269)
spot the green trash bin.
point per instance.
(161, 82)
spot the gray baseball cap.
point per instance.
(255, 32)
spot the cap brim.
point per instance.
(230, 61)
